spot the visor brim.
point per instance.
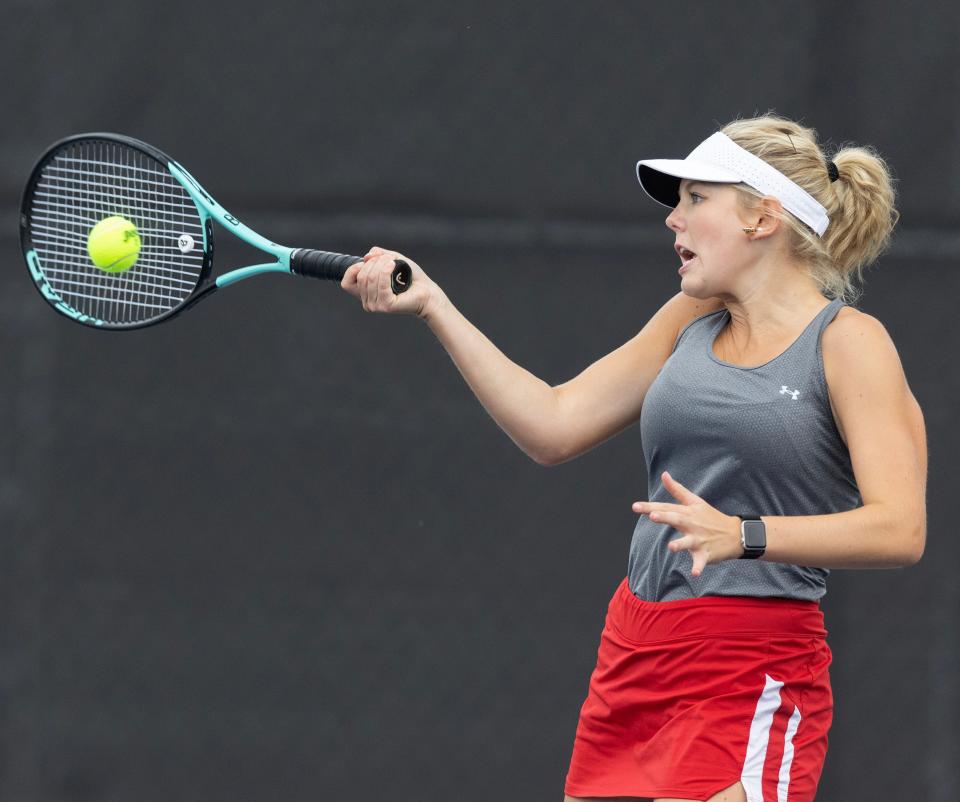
(660, 178)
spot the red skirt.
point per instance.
(691, 696)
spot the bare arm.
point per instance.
(524, 406)
(550, 424)
(556, 424)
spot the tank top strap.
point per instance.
(700, 329)
(811, 334)
(700, 332)
(800, 366)
(825, 316)
(807, 344)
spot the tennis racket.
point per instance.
(83, 180)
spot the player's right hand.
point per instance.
(369, 281)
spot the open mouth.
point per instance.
(685, 254)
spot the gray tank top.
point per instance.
(756, 440)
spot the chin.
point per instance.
(694, 290)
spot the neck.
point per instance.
(785, 298)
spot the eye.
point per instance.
(695, 197)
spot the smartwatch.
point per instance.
(753, 537)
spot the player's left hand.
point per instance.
(708, 534)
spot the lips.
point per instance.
(685, 254)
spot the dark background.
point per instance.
(276, 550)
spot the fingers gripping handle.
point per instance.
(332, 266)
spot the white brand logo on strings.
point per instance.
(794, 394)
(185, 243)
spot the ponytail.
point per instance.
(858, 195)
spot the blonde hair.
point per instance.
(860, 203)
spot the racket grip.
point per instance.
(332, 266)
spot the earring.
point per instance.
(752, 229)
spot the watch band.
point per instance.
(753, 537)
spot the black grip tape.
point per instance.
(321, 264)
(332, 266)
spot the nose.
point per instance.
(674, 220)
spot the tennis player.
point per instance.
(781, 440)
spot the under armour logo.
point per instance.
(794, 394)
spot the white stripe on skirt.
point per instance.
(752, 774)
(787, 762)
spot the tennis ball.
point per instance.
(114, 244)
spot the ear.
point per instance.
(770, 220)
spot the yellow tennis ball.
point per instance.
(114, 244)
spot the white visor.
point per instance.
(718, 159)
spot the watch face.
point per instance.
(754, 534)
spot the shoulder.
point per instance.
(685, 310)
(860, 362)
(855, 338)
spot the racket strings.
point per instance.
(89, 180)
